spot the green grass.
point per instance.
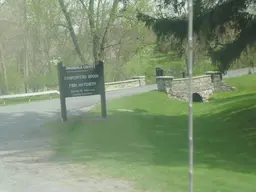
(15, 101)
(245, 83)
(145, 140)
(146, 61)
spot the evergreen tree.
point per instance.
(213, 21)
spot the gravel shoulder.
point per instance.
(26, 162)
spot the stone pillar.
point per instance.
(163, 83)
(142, 80)
(216, 77)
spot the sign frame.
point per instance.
(66, 90)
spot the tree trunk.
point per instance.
(72, 32)
(111, 20)
(4, 70)
(98, 39)
(26, 68)
(94, 30)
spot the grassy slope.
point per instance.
(146, 61)
(149, 144)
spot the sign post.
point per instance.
(102, 90)
(80, 81)
(63, 106)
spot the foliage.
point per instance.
(213, 22)
(35, 35)
(148, 58)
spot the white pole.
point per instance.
(190, 116)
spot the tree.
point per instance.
(101, 16)
(213, 21)
(4, 71)
(26, 53)
(35, 35)
(107, 30)
(71, 30)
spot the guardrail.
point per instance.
(29, 95)
(136, 81)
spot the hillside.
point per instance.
(144, 140)
(146, 61)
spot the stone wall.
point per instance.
(204, 85)
(142, 79)
(219, 84)
(201, 84)
(163, 82)
(136, 81)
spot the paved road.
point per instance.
(25, 148)
(239, 72)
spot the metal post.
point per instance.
(190, 66)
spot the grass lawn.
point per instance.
(146, 61)
(145, 140)
(15, 101)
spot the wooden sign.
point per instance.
(80, 81)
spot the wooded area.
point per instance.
(36, 35)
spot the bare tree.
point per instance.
(71, 30)
(99, 25)
(4, 70)
(25, 48)
(43, 31)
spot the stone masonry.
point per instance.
(136, 81)
(201, 84)
(163, 82)
(204, 85)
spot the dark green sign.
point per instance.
(80, 81)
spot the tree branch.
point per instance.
(110, 20)
(83, 5)
(71, 30)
